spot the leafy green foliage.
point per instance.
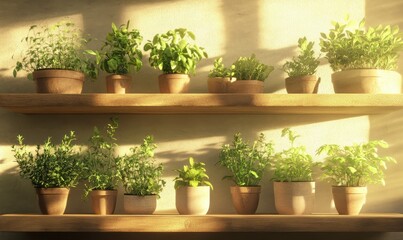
(59, 46)
(305, 63)
(293, 164)
(140, 173)
(175, 52)
(51, 165)
(246, 163)
(355, 165)
(250, 68)
(100, 160)
(192, 175)
(220, 70)
(348, 48)
(120, 52)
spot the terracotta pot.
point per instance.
(245, 199)
(303, 84)
(52, 201)
(174, 83)
(103, 201)
(139, 204)
(116, 83)
(58, 81)
(294, 198)
(218, 84)
(193, 200)
(367, 81)
(246, 86)
(349, 200)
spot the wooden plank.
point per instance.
(353, 104)
(208, 223)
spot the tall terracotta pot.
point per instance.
(119, 84)
(349, 200)
(103, 202)
(139, 204)
(58, 81)
(52, 201)
(294, 198)
(193, 200)
(218, 84)
(174, 83)
(367, 81)
(246, 86)
(303, 84)
(245, 199)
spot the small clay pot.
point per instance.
(349, 200)
(52, 201)
(246, 86)
(174, 83)
(192, 200)
(303, 84)
(103, 202)
(294, 198)
(139, 204)
(119, 84)
(58, 81)
(218, 84)
(245, 199)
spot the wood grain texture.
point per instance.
(352, 104)
(208, 223)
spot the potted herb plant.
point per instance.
(141, 177)
(192, 189)
(100, 170)
(119, 56)
(294, 188)
(176, 55)
(363, 60)
(55, 58)
(52, 169)
(301, 70)
(247, 164)
(250, 75)
(219, 77)
(350, 169)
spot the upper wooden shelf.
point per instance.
(208, 223)
(356, 104)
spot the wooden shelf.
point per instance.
(355, 104)
(208, 223)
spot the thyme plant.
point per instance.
(250, 68)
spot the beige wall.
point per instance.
(227, 28)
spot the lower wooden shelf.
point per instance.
(208, 223)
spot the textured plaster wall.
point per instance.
(227, 28)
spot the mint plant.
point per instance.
(140, 173)
(58, 46)
(50, 166)
(192, 175)
(247, 163)
(353, 48)
(305, 63)
(356, 165)
(293, 164)
(220, 70)
(250, 68)
(175, 52)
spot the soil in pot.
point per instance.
(119, 84)
(303, 84)
(245, 199)
(193, 200)
(218, 84)
(294, 198)
(174, 83)
(139, 204)
(58, 81)
(349, 200)
(367, 81)
(103, 201)
(52, 201)
(246, 86)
